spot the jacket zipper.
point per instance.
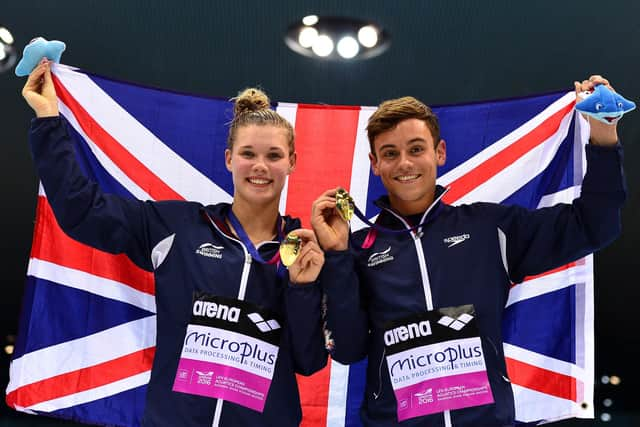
(244, 279)
(426, 284)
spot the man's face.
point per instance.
(406, 161)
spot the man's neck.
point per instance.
(408, 208)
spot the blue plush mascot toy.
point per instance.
(605, 105)
(37, 49)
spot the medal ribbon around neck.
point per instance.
(284, 257)
(244, 238)
(347, 208)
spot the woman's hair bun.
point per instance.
(250, 99)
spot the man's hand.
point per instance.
(331, 229)
(601, 133)
(307, 266)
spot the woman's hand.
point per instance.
(39, 91)
(310, 260)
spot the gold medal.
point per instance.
(290, 248)
(344, 204)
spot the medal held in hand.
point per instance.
(344, 204)
(289, 249)
(347, 208)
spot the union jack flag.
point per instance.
(87, 330)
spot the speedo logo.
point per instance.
(210, 250)
(455, 240)
(380, 258)
(216, 311)
(407, 332)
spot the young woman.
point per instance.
(233, 325)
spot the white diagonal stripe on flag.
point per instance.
(82, 352)
(511, 178)
(176, 172)
(104, 160)
(91, 283)
(564, 196)
(93, 394)
(503, 143)
(545, 362)
(548, 283)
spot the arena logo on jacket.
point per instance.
(436, 363)
(230, 351)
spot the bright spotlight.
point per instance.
(368, 36)
(336, 38)
(8, 55)
(307, 37)
(5, 36)
(310, 20)
(348, 47)
(323, 46)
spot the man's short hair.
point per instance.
(393, 111)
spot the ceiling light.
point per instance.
(348, 47)
(307, 37)
(8, 54)
(315, 36)
(310, 20)
(323, 46)
(368, 36)
(6, 36)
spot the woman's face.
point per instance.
(259, 163)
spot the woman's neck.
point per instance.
(258, 221)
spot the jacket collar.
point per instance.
(218, 213)
(389, 217)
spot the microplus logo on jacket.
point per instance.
(380, 258)
(210, 250)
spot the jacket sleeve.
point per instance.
(304, 324)
(347, 323)
(104, 221)
(543, 239)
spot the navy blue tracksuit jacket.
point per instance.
(468, 254)
(165, 237)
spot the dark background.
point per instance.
(442, 51)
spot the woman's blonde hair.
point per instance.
(252, 107)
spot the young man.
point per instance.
(403, 297)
